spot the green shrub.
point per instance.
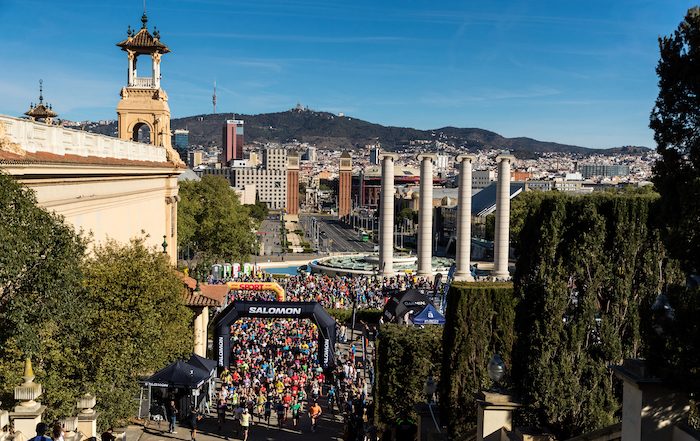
(479, 323)
(405, 357)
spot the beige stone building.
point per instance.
(104, 186)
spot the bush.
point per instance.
(587, 272)
(405, 357)
(479, 323)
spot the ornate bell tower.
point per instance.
(144, 103)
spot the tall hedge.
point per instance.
(587, 271)
(406, 356)
(479, 323)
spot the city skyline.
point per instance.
(574, 74)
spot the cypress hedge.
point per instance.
(479, 323)
(405, 357)
(587, 271)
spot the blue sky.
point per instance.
(556, 70)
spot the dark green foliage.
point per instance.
(673, 352)
(212, 224)
(406, 356)
(676, 123)
(588, 271)
(88, 326)
(259, 211)
(40, 299)
(139, 323)
(479, 324)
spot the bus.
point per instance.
(364, 236)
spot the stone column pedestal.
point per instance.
(87, 418)
(4, 421)
(495, 412)
(650, 409)
(464, 219)
(502, 233)
(425, 216)
(28, 412)
(386, 244)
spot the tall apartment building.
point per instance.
(604, 170)
(181, 142)
(232, 141)
(270, 179)
(310, 154)
(374, 155)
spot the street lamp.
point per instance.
(164, 245)
(429, 390)
(496, 369)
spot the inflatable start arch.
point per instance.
(258, 286)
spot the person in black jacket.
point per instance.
(195, 418)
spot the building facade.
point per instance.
(603, 170)
(232, 141)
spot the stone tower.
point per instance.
(344, 186)
(144, 105)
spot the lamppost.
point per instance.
(496, 369)
(429, 390)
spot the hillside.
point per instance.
(328, 130)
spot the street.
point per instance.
(333, 235)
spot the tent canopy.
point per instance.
(179, 374)
(428, 316)
(203, 363)
(406, 304)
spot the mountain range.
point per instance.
(325, 129)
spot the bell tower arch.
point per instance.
(143, 112)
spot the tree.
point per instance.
(586, 279)
(675, 120)
(41, 303)
(406, 356)
(217, 226)
(138, 323)
(478, 324)
(259, 211)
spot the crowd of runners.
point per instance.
(274, 377)
(337, 292)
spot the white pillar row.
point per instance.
(425, 215)
(502, 231)
(386, 243)
(464, 219)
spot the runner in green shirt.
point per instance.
(296, 410)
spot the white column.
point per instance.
(425, 216)
(502, 231)
(464, 219)
(156, 69)
(132, 67)
(386, 244)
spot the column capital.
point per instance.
(500, 158)
(465, 157)
(431, 156)
(388, 155)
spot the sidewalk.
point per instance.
(329, 428)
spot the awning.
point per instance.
(428, 316)
(180, 374)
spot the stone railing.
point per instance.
(146, 82)
(35, 137)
